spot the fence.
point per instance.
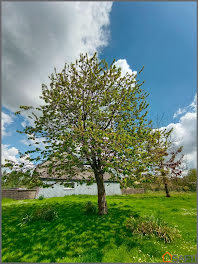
(19, 194)
(133, 190)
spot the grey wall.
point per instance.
(60, 191)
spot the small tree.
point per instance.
(192, 175)
(93, 116)
(18, 178)
(190, 179)
(166, 158)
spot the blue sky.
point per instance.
(162, 37)
(159, 35)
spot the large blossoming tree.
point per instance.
(91, 115)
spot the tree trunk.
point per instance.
(166, 187)
(102, 203)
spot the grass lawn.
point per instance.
(77, 237)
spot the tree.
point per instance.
(18, 178)
(192, 175)
(166, 158)
(93, 117)
(190, 180)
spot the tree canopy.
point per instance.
(167, 158)
(91, 115)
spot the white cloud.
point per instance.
(122, 63)
(193, 105)
(184, 134)
(38, 36)
(10, 153)
(25, 142)
(41, 145)
(190, 108)
(24, 124)
(5, 120)
(179, 112)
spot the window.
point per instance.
(68, 185)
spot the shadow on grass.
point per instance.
(73, 235)
(77, 237)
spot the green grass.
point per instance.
(77, 237)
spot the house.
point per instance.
(62, 186)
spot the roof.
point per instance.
(87, 175)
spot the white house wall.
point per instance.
(111, 188)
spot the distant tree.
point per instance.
(166, 158)
(91, 115)
(192, 175)
(140, 180)
(190, 180)
(18, 178)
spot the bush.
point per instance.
(131, 224)
(192, 187)
(90, 208)
(186, 188)
(157, 188)
(46, 214)
(153, 227)
(179, 188)
(41, 197)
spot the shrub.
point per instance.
(161, 186)
(167, 233)
(90, 208)
(186, 188)
(41, 197)
(192, 187)
(131, 224)
(46, 214)
(153, 227)
(179, 188)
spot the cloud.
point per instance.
(6, 120)
(25, 142)
(184, 133)
(10, 153)
(24, 124)
(40, 140)
(38, 36)
(179, 112)
(193, 105)
(190, 108)
(122, 63)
